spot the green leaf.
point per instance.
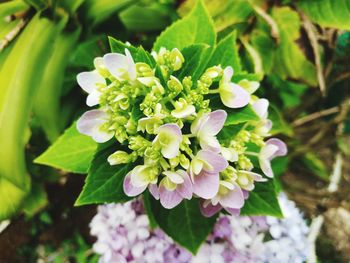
(184, 223)
(327, 13)
(262, 201)
(226, 54)
(229, 132)
(138, 54)
(148, 207)
(193, 55)
(119, 47)
(225, 13)
(104, 183)
(72, 152)
(196, 28)
(235, 116)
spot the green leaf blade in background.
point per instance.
(20, 76)
(104, 183)
(262, 201)
(184, 224)
(327, 13)
(196, 28)
(72, 152)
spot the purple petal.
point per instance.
(206, 185)
(282, 147)
(169, 199)
(260, 107)
(209, 210)
(214, 123)
(233, 211)
(129, 189)
(89, 124)
(171, 128)
(185, 189)
(217, 161)
(88, 80)
(233, 199)
(153, 189)
(228, 73)
(210, 144)
(245, 194)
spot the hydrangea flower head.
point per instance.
(172, 128)
(124, 235)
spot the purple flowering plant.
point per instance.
(180, 125)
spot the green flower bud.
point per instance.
(244, 163)
(174, 85)
(229, 173)
(187, 83)
(144, 70)
(176, 59)
(184, 161)
(213, 72)
(174, 162)
(119, 157)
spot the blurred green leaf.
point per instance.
(36, 200)
(315, 165)
(327, 13)
(280, 126)
(72, 152)
(144, 18)
(290, 61)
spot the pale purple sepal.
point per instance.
(131, 190)
(89, 124)
(207, 209)
(206, 185)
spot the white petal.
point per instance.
(117, 64)
(260, 107)
(88, 80)
(93, 98)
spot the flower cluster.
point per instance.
(123, 235)
(169, 125)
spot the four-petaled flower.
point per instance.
(122, 67)
(206, 127)
(232, 95)
(273, 148)
(92, 123)
(174, 187)
(168, 138)
(91, 82)
(204, 170)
